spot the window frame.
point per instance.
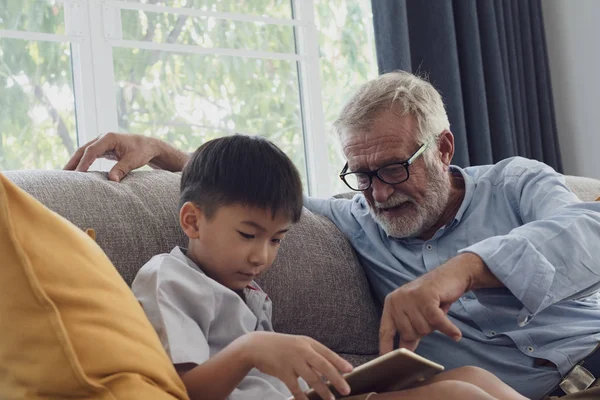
(93, 28)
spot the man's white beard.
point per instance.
(419, 217)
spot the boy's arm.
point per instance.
(285, 357)
(217, 377)
(180, 306)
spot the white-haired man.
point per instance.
(503, 257)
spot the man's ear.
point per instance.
(190, 218)
(446, 148)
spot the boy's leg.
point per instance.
(481, 378)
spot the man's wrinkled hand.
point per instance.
(420, 307)
(130, 151)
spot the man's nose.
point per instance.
(381, 191)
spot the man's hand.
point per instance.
(288, 357)
(421, 306)
(131, 152)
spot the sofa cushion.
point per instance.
(320, 290)
(71, 326)
(317, 285)
(587, 189)
(134, 220)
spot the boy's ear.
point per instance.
(190, 218)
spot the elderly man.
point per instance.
(495, 266)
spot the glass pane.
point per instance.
(348, 59)
(267, 8)
(45, 16)
(37, 107)
(206, 32)
(187, 99)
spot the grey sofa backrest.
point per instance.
(316, 283)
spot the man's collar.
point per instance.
(460, 173)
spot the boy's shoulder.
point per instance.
(170, 267)
(163, 261)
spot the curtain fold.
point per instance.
(488, 59)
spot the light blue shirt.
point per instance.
(535, 236)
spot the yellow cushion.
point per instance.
(69, 325)
(91, 233)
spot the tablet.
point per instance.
(397, 370)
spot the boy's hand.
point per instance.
(288, 357)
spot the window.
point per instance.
(184, 71)
(347, 60)
(37, 106)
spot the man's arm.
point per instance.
(131, 152)
(554, 255)
(420, 307)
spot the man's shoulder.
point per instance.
(507, 169)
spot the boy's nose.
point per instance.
(259, 256)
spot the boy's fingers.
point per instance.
(337, 361)
(330, 372)
(291, 382)
(314, 381)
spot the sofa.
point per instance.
(316, 283)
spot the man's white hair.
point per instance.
(404, 93)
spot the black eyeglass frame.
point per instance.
(374, 173)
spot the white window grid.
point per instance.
(93, 28)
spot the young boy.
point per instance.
(239, 197)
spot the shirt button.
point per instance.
(429, 247)
(522, 321)
(530, 349)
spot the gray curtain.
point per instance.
(488, 58)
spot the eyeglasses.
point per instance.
(392, 174)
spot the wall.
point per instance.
(573, 37)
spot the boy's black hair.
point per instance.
(240, 169)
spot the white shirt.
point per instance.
(196, 317)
